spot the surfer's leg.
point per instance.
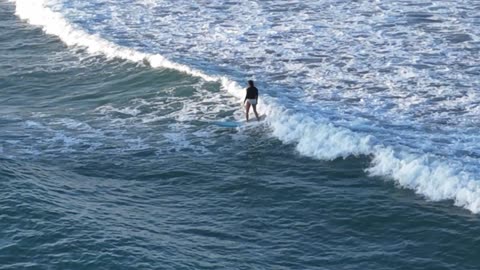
(247, 107)
(255, 111)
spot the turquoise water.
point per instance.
(109, 163)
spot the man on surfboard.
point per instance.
(251, 99)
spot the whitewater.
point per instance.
(385, 80)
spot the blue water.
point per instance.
(112, 162)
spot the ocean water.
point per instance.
(368, 157)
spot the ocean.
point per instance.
(111, 156)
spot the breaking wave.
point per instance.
(429, 175)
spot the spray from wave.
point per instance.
(427, 175)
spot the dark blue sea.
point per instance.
(114, 153)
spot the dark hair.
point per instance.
(250, 82)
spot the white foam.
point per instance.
(428, 175)
(75, 124)
(434, 179)
(36, 12)
(67, 142)
(105, 109)
(315, 138)
(179, 142)
(33, 124)
(136, 144)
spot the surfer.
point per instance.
(251, 99)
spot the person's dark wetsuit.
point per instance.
(252, 92)
(251, 99)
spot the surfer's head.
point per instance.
(250, 83)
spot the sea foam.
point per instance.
(430, 176)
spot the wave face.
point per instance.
(395, 81)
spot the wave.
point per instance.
(428, 175)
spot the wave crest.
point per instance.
(427, 175)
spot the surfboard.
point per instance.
(235, 124)
(228, 124)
